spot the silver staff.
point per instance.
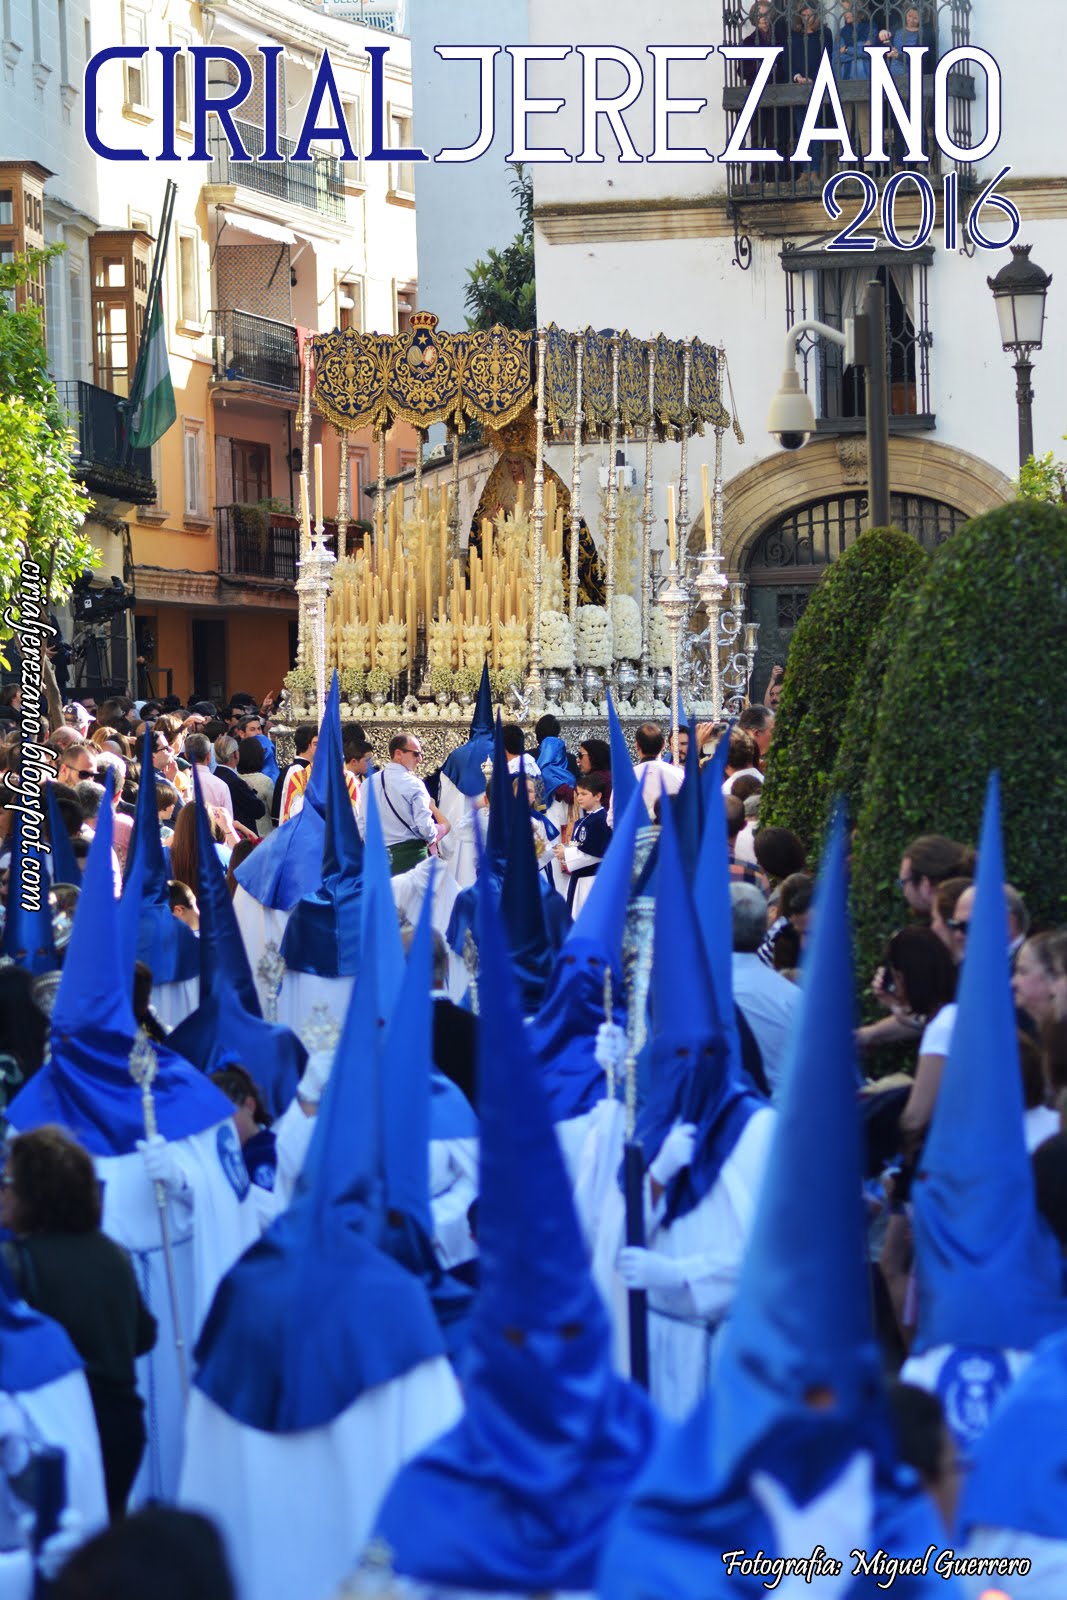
(144, 1065)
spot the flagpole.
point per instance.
(159, 258)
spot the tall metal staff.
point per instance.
(144, 1064)
(638, 956)
(611, 516)
(576, 478)
(537, 528)
(648, 518)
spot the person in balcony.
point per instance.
(808, 42)
(916, 33)
(853, 37)
(771, 126)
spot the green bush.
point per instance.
(857, 729)
(826, 656)
(975, 681)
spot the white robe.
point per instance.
(296, 1509)
(711, 1240)
(173, 1002)
(453, 1189)
(260, 925)
(459, 847)
(61, 1414)
(303, 993)
(208, 1233)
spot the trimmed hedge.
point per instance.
(857, 729)
(975, 681)
(826, 655)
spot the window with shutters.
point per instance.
(401, 173)
(135, 72)
(120, 261)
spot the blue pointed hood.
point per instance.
(28, 938)
(482, 720)
(379, 924)
(553, 766)
(407, 1089)
(688, 804)
(1018, 1475)
(165, 945)
(520, 1494)
(34, 1350)
(323, 933)
(463, 766)
(521, 903)
(989, 1271)
(315, 1314)
(623, 777)
(85, 1082)
(227, 1026)
(562, 1035)
(801, 1320)
(289, 860)
(712, 896)
(501, 807)
(65, 868)
(692, 1080)
(798, 1388)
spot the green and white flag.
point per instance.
(152, 408)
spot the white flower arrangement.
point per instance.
(512, 637)
(626, 627)
(475, 645)
(355, 640)
(392, 648)
(659, 638)
(552, 598)
(557, 641)
(593, 637)
(441, 645)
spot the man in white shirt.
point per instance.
(408, 825)
(213, 790)
(659, 778)
(768, 1001)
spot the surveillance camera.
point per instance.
(791, 419)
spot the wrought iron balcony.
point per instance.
(102, 463)
(803, 33)
(257, 350)
(257, 543)
(317, 185)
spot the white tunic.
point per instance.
(260, 925)
(711, 1241)
(453, 1189)
(173, 1002)
(210, 1228)
(296, 1509)
(61, 1414)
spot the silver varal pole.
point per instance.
(533, 682)
(611, 517)
(648, 518)
(576, 478)
(144, 1065)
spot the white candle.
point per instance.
(320, 515)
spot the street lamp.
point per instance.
(792, 417)
(1019, 291)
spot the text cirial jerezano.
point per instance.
(641, 95)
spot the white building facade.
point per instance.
(736, 253)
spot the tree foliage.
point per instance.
(1044, 478)
(501, 288)
(857, 728)
(826, 657)
(981, 654)
(42, 506)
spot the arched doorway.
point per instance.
(787, 559)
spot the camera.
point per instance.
(97, 605)
(791, 419)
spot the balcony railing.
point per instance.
(102, 462)
(256, 543)
(317, 185)
(842, 30)
(256, 350)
